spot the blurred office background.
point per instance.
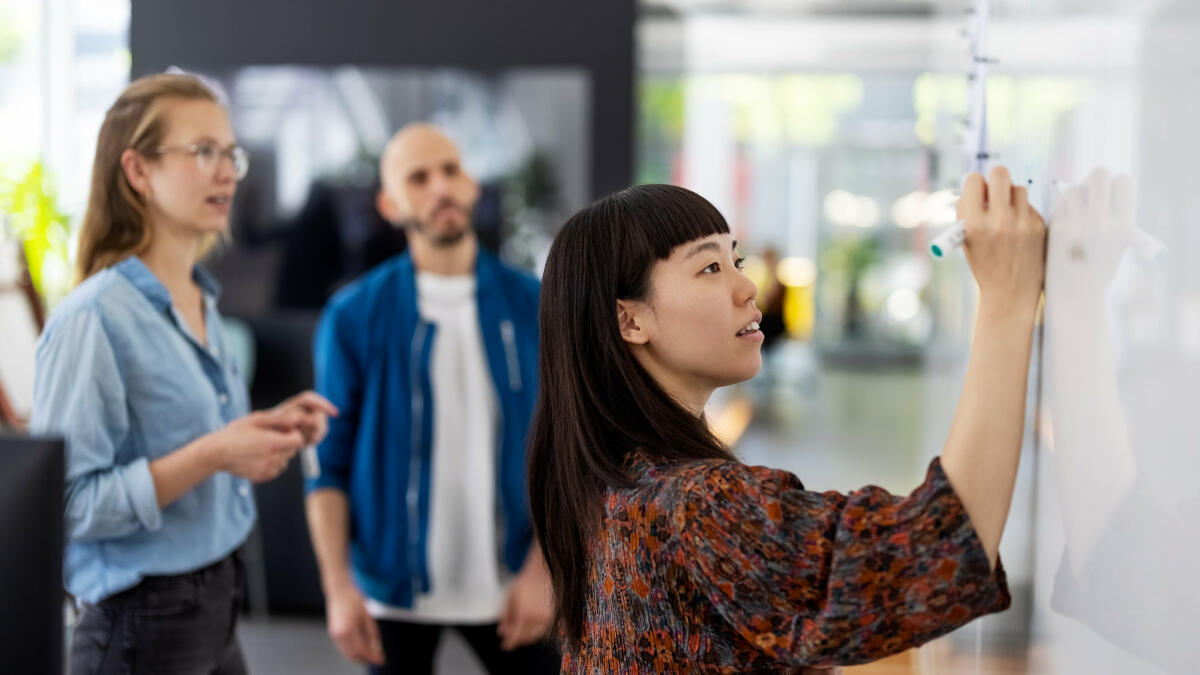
(827, 131)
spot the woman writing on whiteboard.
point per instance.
(133, 371)
(666, 553)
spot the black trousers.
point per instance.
(408, 648)
(170, 625)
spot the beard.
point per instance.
(443, 239)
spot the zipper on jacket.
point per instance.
(412, 498)
(508, 334)
(501, 514)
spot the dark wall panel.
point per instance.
(484, 35)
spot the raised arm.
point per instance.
(1005, 245)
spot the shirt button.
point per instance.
(223, 398)
(244, 489)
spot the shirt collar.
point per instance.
(136, 272)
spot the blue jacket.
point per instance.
(372, 352)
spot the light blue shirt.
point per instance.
(120, 377)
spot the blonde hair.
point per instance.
(114, 224)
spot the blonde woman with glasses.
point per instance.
(134, 372)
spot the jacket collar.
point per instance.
(485, 275)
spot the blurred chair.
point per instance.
(31, 550)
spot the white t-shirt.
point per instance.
(463, 553)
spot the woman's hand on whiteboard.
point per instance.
(1093, 224)
(1005, 242)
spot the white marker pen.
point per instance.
(951, 238)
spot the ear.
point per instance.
(630, 321)
(133, 164)
(388, 207)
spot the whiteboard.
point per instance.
(1111, 476)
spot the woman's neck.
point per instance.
(171, 258)
(692, 397)
(693, 402)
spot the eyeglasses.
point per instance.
(208, 156)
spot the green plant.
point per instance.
(29, 209)
(660, 127)
(535, 185)
(531, 195)
(849, 259)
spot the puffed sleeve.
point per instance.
(825, 578)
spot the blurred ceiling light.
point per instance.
(911, 210)
(922, 208)
(867, 212)
(845, 208)
(941, 208)
(903, 305)
(796, 272)
(839, 205)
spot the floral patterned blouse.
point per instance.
(720, 567)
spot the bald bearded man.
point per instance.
(417, 505)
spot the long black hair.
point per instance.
(596, 403)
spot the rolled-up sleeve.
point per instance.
(339, 379)
(79, 395)
(825, 578)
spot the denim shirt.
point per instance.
(120, 377)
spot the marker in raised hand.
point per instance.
(948, 240)
(952, 237)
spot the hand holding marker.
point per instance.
(1144, 244)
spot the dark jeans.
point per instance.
(170, 625)
(409, 647)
